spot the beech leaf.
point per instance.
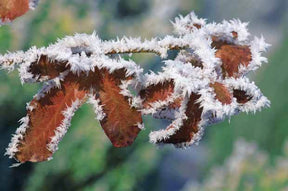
(49, 116)
(121, 123)
(232, 56)
(183, 132)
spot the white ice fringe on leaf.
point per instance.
(180, 116)
(97, 107)
(210, 103)
(132, 69)
(156, 106)
(65, 124)
(225, 29)
(157, 136)
(62, 51)
(134, 100)
(17, 137)
(257, 47)
(258, 100)
(182, 24)
(186, 78)
(51, 84)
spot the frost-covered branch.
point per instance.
(204, 84)
(135, 45)
(92, 45)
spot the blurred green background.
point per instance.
(87, 161)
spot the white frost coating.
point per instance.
(257, 47)
(183, 25)
(9, 60)
(4, 21)
(17, 137)
(134, 100)
(211, 104)
(258, 100)
(225, 29)
(158, 46)
(158, 136)
(114, 64)
(156, 106)
(65, 124)
(51, 84)
(98, 108)
(186, 78)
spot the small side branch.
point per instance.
(135, 45)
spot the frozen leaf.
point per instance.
(232, 56)
(156, 93)
(47, 69)
(48, 120)
(183, 131)
(121, 122)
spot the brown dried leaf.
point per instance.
(45, 118)
(121, 121)
(241, 96)
(47, 69)
(11, 9)
(232, 56)
(157, 92)
(222, 93)
(190, 125)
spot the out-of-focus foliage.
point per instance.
(247, 168)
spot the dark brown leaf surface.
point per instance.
(157, 92)
(241, 96)
(121, 121)
(190, 125)
(48, 69)
(44, 120)
(231, 55)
